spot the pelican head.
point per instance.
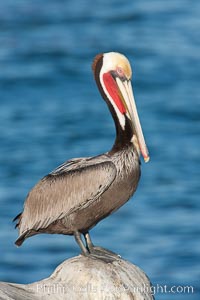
(113, 75)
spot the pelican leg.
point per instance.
(79, 241)
(99, 252)
(88, 241)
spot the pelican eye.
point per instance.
(120, 72)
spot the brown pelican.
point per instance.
(78, 194)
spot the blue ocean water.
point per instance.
(50, 111)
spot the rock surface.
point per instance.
(85, 278)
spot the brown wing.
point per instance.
(72, 185)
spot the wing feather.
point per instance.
(74, 184)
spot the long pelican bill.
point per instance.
(127, 98)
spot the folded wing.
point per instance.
(74, 184)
